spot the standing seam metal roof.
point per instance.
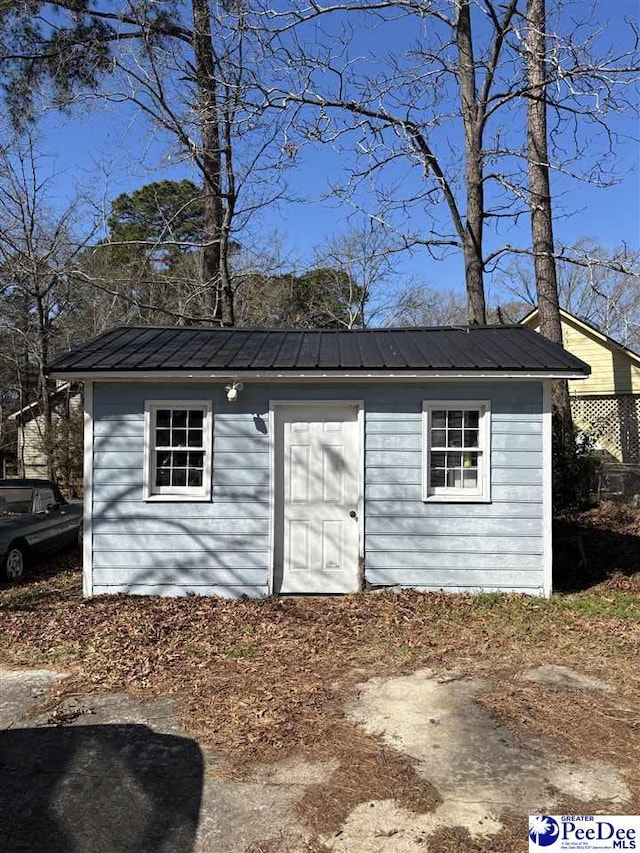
(178, 348)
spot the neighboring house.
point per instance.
(32, 462)
(605, 406)
(7, 464)
(246, 461)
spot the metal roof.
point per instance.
(146, 349)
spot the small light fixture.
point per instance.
(233, 390)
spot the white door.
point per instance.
(316, 499)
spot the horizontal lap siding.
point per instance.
(201, 559)
(177, 574)
(209, 548)
(250, 510)
(222, 546)
(181, 538)
(194, 526)
(177, 589)
(494, 546)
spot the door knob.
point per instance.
(353, 514)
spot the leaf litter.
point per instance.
(261, 680)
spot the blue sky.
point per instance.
(103, 151)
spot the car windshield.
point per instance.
(15, 501)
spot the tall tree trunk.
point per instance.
(542, 230)
(44, 388)
(218, 295)
(540, 188)
(539, 184)
(472, 240)
(226, 284)
(472, 245)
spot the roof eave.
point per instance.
(317, 375)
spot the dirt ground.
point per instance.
(389, 722)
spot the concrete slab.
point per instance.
(98, 788)
(382, 827)
(117, 772)
(21, 689)
(236, 817)
(472, 761)
(103, 709)
(563, 676)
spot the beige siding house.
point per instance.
(606, 405)
(66, 400)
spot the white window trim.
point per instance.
(453, 495)
(177, 493)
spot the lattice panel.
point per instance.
(614, 421)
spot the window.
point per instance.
(177, 450)
(43, 500)
(456, 451)
(15, 501)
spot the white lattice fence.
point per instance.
(614, 421)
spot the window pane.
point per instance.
(196, 418)
(195, 438)
(470, 478)
(471, 438)
(471, 419)
(454, 438)
(454, 478)
(15, 501)
(455, 449)
(163, 438)
(437, 476)
(195, 478)
(179, 477)
(46, 498)
(179, 418)
(438, 438)
(196, 460)
(179, 447)
(163, 477)
(179, 437)
(438, 460)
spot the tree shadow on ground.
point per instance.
(48, 582)
(585, 554)
(102, 789)
(51, 565)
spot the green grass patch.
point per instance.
(242, 649)
(196, 650)
(614, 604)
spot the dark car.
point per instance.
(34, 519)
